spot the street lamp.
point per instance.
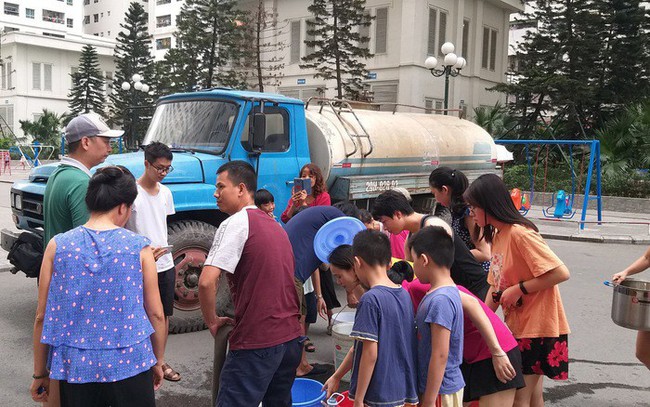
(451, 66)
(138, 85)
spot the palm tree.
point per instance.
(625, 140)
(496, 120)
(46, 129)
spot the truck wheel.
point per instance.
(192, 241)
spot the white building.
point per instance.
(54, 18)
(41, 42)
(102, 18)
(162, 25)
(402, 35)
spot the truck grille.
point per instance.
(33, 206)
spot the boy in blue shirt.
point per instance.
(383, 371)
(439, 319)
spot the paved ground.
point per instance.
(603, 370)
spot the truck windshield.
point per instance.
(202, 125)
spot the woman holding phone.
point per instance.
(318, 195)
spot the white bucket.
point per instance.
(342, 344)
(343, 317)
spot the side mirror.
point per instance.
(259, 131)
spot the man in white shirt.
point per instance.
(149, 218)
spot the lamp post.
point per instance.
(451, 66)
(138, 85)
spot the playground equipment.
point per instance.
(564, 203)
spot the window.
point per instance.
(164, 43)
(381, 30)
(277, 134)
(101, 34)
(69, 2)
(464, 49)
(294, 56)
(7, 114)
(36, 76)
(164, 21)
(11, 9)
(364, 31)
(69, 22)
(309, 37)
(29, 13)
(101, 15)
(385, 92)
(108, 33)
(6, 76)
(489, 51)
(53, 16)
(159, 2)
(437, 31)
(47, 77)
(108, 13)
(86, 19)
(46, 34)
(95, 18)
(86, 2)
(433, 106)
(95, 1)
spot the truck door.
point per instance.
(276, 164)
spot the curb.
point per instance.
(598, 239)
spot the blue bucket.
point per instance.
(307, 393)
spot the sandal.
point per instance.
(309, 346)
(170, 374)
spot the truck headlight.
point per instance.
(18, 202)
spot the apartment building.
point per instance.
(40, 45)
(102, 18)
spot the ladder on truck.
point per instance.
(343, 106)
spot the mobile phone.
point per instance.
(303, 184)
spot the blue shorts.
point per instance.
(266, 375)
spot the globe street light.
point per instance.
(138, 85)
(451, 66)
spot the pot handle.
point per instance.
(609, 284)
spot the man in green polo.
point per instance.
(64, 204)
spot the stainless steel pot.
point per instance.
(631, 304)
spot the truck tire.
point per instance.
(192, 241)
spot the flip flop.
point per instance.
(309, 346)
(170, 374)
(317, 370)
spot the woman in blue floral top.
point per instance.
(447, 186)
(99, 323)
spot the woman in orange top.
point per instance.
(523, 278)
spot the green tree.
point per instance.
(265, 60)
(625, 140)
(132, 109)
(87, 93)
(46, 129)
(210, 38)
(339, 48)
(496, 120)
(576, 61)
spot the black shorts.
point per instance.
(136, 391)
(327, 288)
(481, 380)
(546, 356)
(166, 284)
(312, 313)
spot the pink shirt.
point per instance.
(397, 243)
(475, 348)
(320, 200)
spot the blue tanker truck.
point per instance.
(362, 153)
